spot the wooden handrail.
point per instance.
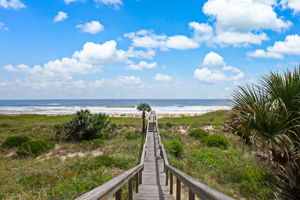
(195, 187)
(114, 186)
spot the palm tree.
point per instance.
(266, 116)
(144, 107)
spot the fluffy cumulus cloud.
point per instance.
(60, 16)
(148, 39)
(214, 69)
(12, 4)
(162, 77)
(292, 4)
(92, 27)
(240, 22)
(91, 59)
(3, 27)
(290, 46)
(142, 65)
(100, 53)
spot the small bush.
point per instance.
(217, 141)
(34, 148)
(176, 148)
(85, 126)
(198, 134)
(5, 125)
(15, 141)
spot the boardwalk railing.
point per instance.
(195, 187)
(113, 188)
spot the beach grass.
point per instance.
(71, 169)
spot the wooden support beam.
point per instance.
(119, 195)
(191, 195)
(167, 177)
(130, 189)
(178, 189)
(137, 183)
(171, 183)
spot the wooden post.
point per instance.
(178, 189)
(130, 189)
(140, 177)
(171, 183)
(119, 194)
(137, 183)
(167, 177)
(191, 195)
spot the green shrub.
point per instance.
(85, 126)
(15, 141)
(198, 134)
(5, 125)
(34, 148)
(176, 148)
(217, 141)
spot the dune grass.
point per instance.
(71, 168)
(228, 170)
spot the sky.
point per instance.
(143, 49)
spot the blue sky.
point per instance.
(66, 49)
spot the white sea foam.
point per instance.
(62, 110)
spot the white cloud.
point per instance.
(213, 60)
(100, 53)
(292, 4)
(132, 53)
(115, 3)
(239, 22)
(162, 77)
(181, 42)
(61, 16)
(12, 4)
(4, 83)
(147, 39)
(290, 46)
(92, 27)
(3, 27)
(10, 68)
(214, 69)
(202, 32)
(142, 65)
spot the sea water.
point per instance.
(113, 106)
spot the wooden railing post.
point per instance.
(137, 182)
(130, 189)
(191, 195)
(167, 176)
(140, 177)
(119, 194)
(171, 183)
(178, 189)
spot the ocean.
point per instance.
(113, 106)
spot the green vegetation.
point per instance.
(69, 169)
(228, 170)
(267, 117)
(217, 141)
(34, 148)
(199, 134)
(85, 126)
(175, 148)
(15, 141)
(144, 107)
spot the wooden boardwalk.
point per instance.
(153, 185)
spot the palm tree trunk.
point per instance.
(144, 124)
